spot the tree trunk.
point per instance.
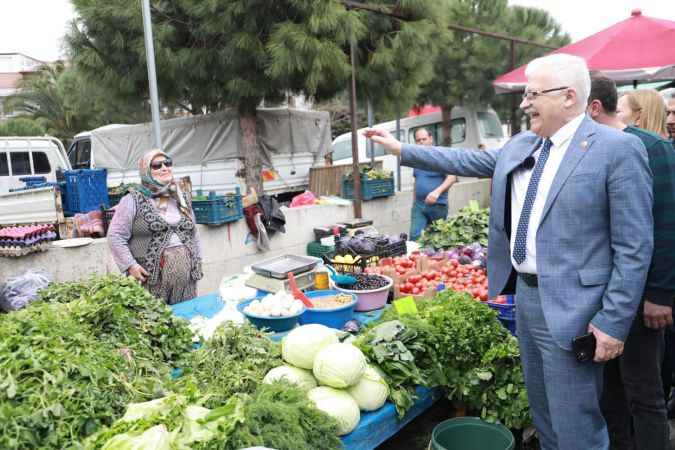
(515, 122)
(251, 151)
(446, 117)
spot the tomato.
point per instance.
(415, 291)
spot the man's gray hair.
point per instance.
(668, 95)
(565, 70)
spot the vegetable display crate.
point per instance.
(319, 251)
(354, 267)
(390, 250)
(504, 310)
(86, 190)
(370, 189)
(218, 209)
(107, 216)
(509, 324)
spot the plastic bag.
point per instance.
(304, 199)
(19, 291)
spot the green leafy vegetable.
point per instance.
(469, 225)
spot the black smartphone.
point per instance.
(584, 347)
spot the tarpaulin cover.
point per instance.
(213, 137)
(639, 48)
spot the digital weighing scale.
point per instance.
(257, 281)
(272, 275)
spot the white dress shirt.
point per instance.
(520, 179)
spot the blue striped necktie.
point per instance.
(519, 248)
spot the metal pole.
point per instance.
(515, 126)
(355, 138)
(152, 76)
(369, 143)
(398, 157)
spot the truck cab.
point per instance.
(30, 156)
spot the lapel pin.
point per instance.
(584, 145)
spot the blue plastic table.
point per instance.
(375, 427)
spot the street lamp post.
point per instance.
(152, 76)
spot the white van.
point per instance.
(469, 128)
(207, 148)
(30, 156)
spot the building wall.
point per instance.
(228, 248)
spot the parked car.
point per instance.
(469, 128)
(30, 156)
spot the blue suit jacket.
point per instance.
(595, 239)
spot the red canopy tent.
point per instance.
(639, 48)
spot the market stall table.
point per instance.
(374, 427)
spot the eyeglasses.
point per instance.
(532, 95)
(156, 165)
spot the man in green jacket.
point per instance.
(632, 386)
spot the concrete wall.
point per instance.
(228, 248)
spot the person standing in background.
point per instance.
(430, 195)
(633, 395)
(670, 118)
(643, 108)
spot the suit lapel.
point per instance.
(575, 153)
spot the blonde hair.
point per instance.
(652, 110)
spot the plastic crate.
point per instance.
(107, 216)
(356, 267)
(86, 190)
(370, 189)
(217, 210)
(317, 250)
(390, 250)
(505, 311)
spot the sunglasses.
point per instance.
(156, 165)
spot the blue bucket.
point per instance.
(334, 317)
(276, 324)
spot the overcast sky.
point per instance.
(36, 27)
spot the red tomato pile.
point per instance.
(455, 276)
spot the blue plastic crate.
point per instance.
(86, 190)
(504, 310)
(217, 210)
(370, 189)
(509, 324)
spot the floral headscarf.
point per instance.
(152, 188)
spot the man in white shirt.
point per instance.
(570, 234)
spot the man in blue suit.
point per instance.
(570, 234)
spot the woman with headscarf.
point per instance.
(153, 234)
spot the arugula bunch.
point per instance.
(470, 224)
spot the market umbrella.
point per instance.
(637, 49)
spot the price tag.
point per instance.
(405, 305)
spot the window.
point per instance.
(41, 163)
(458, 130)
(489, 126)
(434, 128)
(4, 166)
(20, 163)
(83, 154)
(72, 154)
(342, 150)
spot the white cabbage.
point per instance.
(302, 378)
(300, 346)
(339, 365)
(371, 391)
(337, 404)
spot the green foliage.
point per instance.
(58, 382)
(21, 126)
(470, 224)
(458, 344)
(467, 63)
(234, 360)
(64, 103)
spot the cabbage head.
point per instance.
(302, 378)
(371, 391)
(339, 365)
(300, 346)
(337, 404)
